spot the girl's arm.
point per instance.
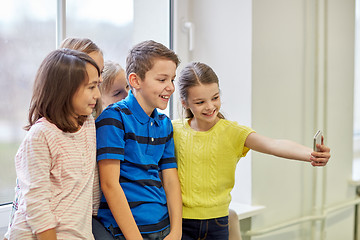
(288, 149)
(47, 235)
(33, 171)
(171, 185)
(109, 170)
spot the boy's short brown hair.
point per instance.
(141, 57)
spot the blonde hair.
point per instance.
(111, 70)
(84, 45)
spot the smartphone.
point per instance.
(317, 140)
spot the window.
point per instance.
(28, 34)
(109, 24)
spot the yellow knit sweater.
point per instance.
(206, 166)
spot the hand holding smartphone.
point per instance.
(317, 140)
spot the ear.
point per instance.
(134, 80)
(184, 104)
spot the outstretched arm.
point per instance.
(287, 149)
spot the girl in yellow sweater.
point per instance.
(208, 147)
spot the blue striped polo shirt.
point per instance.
(145, 146)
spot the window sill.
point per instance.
(244, 210)
(4, 218)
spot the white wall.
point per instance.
(286, 69)
(222, 39)
(302, 48)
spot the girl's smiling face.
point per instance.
(204, 102)
(85, 97)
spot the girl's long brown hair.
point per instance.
(59, 76)
(87, 46)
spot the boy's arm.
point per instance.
(287, 149)
(171, 185)
(109, 170)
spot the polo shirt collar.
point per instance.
(139, 112)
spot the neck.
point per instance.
(142, 104)
(202, 126)
(74, 119)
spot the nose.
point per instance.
(208, 106)
(170, 86)
(97, 94)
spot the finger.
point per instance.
(323, 148)
(318, 164)
(315, 155)
(324, 159)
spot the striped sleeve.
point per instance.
(110, 135)
(33, 166)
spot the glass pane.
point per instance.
(27, 35)
(115, 26)
(108, 23)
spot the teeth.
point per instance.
(208, 114)
(166, 97)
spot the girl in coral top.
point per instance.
(55, 163)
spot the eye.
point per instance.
(162, 80)
(198, 103)
(215, 98)
(117, 93)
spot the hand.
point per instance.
(173, 236)
(321, 157)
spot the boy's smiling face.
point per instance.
(155, 89)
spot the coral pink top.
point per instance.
(55, 173)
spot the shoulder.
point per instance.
(114, 110)
(178, 124)
(165, 123)
(234, 127)
(42, 131)
(164, 119)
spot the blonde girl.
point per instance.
(114, 86)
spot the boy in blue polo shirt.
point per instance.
(135, 151)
